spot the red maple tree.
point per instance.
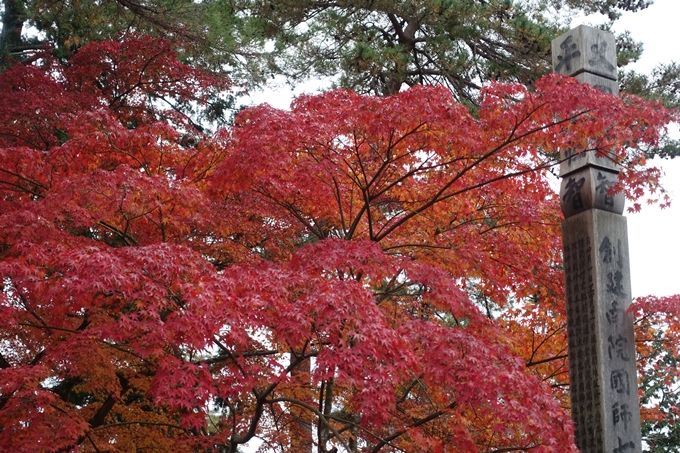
(384, 271)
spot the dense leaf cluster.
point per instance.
(384, 271)
(164, 289)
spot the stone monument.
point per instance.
(603, 378)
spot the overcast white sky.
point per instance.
(654, 235)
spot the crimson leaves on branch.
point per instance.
(383, 271)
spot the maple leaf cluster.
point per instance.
(385, 271)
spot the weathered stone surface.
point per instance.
(585, 49)
(571, 162)
(601, 83)
(603, 379)
(589, 55)
(588, 188)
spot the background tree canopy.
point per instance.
(371, 46)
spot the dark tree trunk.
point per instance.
(12, 24)
(301, 432)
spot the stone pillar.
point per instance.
(603, 378)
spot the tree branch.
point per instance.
(415, 424)
(321, 416)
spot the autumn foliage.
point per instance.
(384, 272)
